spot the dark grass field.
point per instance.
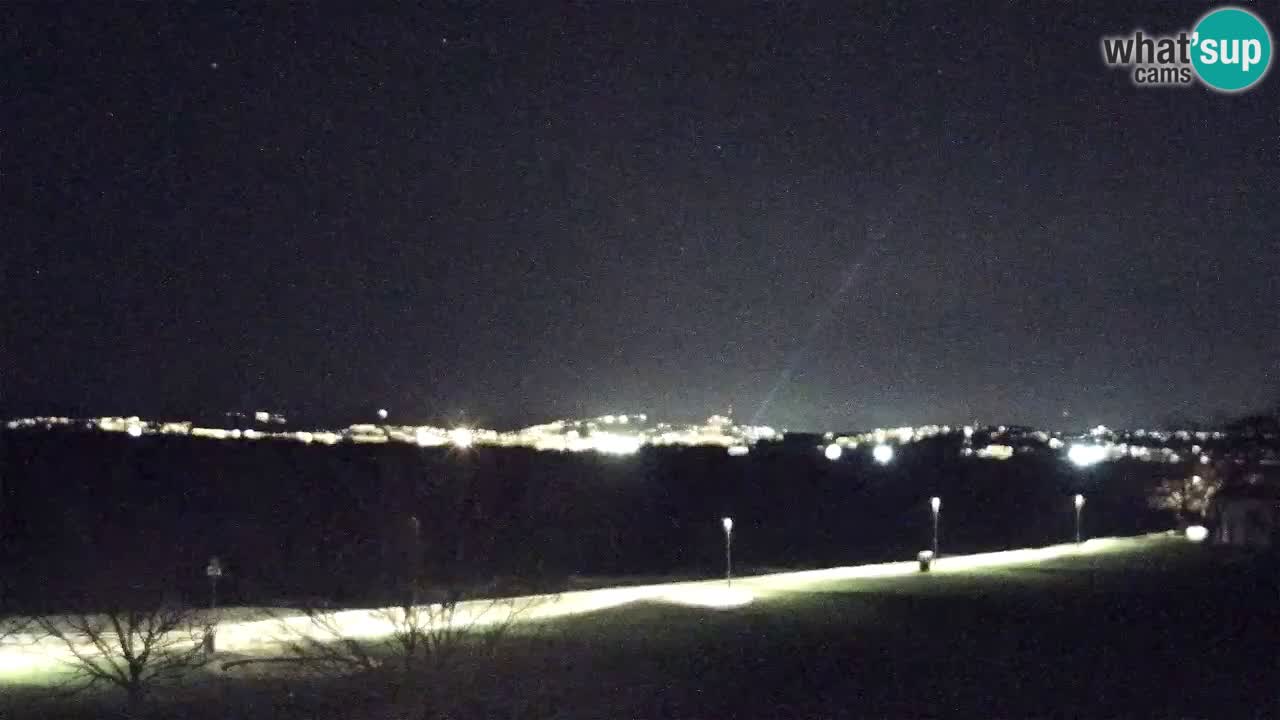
(1165, 630)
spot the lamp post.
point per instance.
(1079, 503)
(727, 523)
(935, 503)
(214, 572)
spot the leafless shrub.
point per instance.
(407, 649)
(130, 649)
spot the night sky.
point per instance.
(827, 216)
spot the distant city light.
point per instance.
(625, 434)
(995, 452)
(1086, 455)
(1197, 533)
(616, 444)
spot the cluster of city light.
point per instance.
(880, 441)
(1088, 453)
(625, 434)
(898, 436)
(995, 452)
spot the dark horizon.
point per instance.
(822, 217)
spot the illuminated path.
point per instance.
(27, 657)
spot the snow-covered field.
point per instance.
(29, 657)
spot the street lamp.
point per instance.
(214, 572)
(727, 522)
(1079, 503)
(935, 503)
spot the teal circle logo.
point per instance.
(1231, 49)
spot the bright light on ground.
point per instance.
(833, 452)
(26, 658)
(716, 596)
(883, 454)
(462, 437)
(1086, 455)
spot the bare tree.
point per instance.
(441, 622)
(408, 651)
(129, 649)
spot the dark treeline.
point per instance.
(87, 516)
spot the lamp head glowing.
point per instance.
(727, 522)
(935, 502)
(882, 454)
(1079, 501)
(382, 413)
(833, 452)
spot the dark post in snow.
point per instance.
(214, 572)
